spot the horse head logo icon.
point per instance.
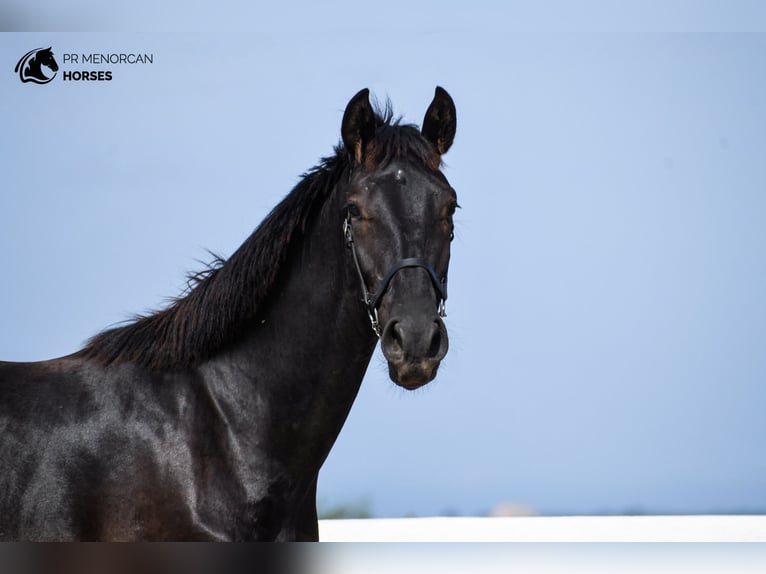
(30, 67)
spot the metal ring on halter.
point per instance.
(374, 320)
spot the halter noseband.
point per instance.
(372, 300)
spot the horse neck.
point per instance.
(34, 67)
(306, 352)
(319, 302)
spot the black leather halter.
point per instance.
(372, 300)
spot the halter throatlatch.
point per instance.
(372, 300)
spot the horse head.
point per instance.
(397, 219)
(45, 58)
(29, 67)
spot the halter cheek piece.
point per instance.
(372, 300)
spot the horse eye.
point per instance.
(353, 210)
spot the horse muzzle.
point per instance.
(414, 349)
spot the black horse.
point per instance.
(210, 419)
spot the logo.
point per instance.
(30, 67)
(40, 67)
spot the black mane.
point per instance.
(224, 298)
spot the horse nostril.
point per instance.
(393, 341)
(396, 335)
(435, 347)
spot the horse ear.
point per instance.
(358, 125)
(440, 122)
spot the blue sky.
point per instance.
(607, 315)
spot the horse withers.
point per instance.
(210, 419)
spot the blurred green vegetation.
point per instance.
(359, 508)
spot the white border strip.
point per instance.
(548, 529)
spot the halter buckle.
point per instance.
(348, 231)
(372, 313)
